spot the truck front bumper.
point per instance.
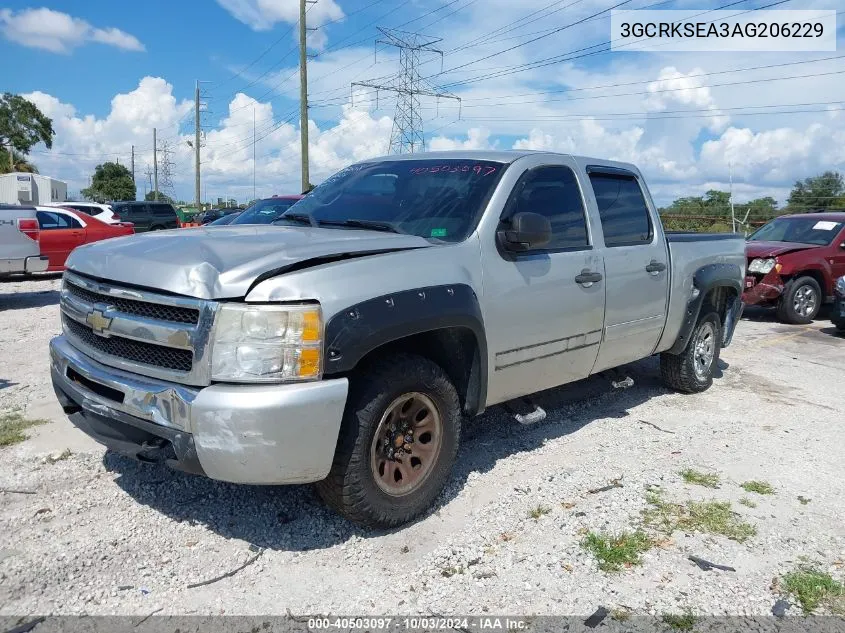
(249, 434)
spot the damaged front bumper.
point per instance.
(249, 434)
(762, 291)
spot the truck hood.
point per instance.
(224, 262)
(773, 249)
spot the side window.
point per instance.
(164, 210)
(553, 192)
(81, 209)
(624, 214)
(47, 220)
(71, 222)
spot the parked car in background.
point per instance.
(103, 212)
(62, 230)
(793, 262)
(266, 211)
(19, 241)
(837, 314)
(347, 342)
(226, 219)
(214, 214)
(147, 216)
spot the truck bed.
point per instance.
(688, 252)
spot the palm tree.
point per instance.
(20, 163)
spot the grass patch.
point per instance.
(748, 503)
(539, 511)
(708, 480)
(712, 517)
(682, 622)
(803, 500)
(12, 427)
(813, 588)
(615, 551)
(760, 487)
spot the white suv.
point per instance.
(103, 212)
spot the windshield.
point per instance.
(802, 230)
(439, 199)
(264, 211)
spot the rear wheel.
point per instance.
(398, 441)
(692, 370)
(801, 301)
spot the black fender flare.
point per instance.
(704, 280)
(357, 330)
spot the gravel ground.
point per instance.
(104, 535)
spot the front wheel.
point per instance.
(692, 370)
(398, 442)
(801, 301)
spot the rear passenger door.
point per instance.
(60, 234)
(636, 263)
(543, 320)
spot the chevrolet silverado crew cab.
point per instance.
(345, 343)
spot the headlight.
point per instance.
(840, 286)
(267, 343)
(761, 265)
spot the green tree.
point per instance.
(22, 125)
(162, 197)
(818, 192)
(111, 181)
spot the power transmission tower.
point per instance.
(407, 135)
(166, 165)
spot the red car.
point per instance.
(793, 263)
(63, 230)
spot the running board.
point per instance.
(526, 412)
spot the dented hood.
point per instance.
(223, 262)
(773, 249)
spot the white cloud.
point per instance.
(59, 32)
(263, 15)
(477, 138)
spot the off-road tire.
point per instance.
(350, 487)
(786, 305)
(678, 370)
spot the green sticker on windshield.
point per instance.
(438, 232)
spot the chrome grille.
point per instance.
(155, 355)
(148, 333)
(140, 308)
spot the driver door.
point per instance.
(544, 320)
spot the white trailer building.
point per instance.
(29, 189)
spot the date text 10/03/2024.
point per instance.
(420, 623)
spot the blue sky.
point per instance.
(108, 74)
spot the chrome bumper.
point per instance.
(250, 434)
(35, 264)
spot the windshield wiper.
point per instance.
(373, 225)
(302, 218)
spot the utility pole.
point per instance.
(155, 167)
(407, 135)
(197, 131)
(731, 177)
(133, 163)
(303, 96)
(253, 152)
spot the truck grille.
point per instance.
(158, 335)
(135, 351)
(139, 308)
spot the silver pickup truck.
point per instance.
(345, 343)
(20, 251)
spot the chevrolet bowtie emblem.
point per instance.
(98, 321)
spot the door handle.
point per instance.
(587, 278)
(654, 267)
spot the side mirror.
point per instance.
(527, 232)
